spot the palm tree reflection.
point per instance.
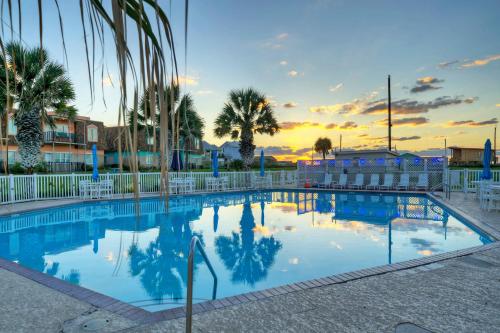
(162, 264)
(249, 260)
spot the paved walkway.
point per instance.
(455, 295)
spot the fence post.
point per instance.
(35, 190)
(12, 193)
(466, 180)
(73, 186)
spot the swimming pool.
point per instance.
(255, 240)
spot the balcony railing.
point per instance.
(54, 136)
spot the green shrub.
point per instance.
(236, 165)
(17, 169)
(40, 168)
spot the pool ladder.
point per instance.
(196, 244)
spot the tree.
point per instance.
(191, 125)
(323, 146)
(247, 112)
(37, 85)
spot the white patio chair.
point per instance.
(290, 179)
(423, 182)
(190, 184)
(404, 182)
(374, 181)
(388, 182)
(359, 181)
(342, 181)
(105, 188)
(84, 189)
(211, 184)
(223, 183)
(327, 182)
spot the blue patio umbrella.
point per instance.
(215, 163)
(262, 206)
(262, 163)
(95, 172)
(487, 160)
(176, 164)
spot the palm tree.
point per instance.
(323, 146)
(247, 112)
(191, 124)
(37, 85)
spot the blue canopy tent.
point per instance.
(95, 172)
(262, 163)
(176, 164)
(487, 161)
(215, 163)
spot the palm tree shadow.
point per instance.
(249, 260)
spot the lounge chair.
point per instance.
(342, 181)
(388, 182)
(327, 182)
(359, 182)
(404, 182)
(423, 182)
(374, 181)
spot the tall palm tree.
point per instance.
(191, 124)
(247, 112)
(323, 146)
(37, 86)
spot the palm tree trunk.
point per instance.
(29, 137)
(247, 148)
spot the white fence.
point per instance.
(314, 171)
(54, 186)
(465, 180)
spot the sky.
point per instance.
(323, 64)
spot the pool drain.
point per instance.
(95, 324)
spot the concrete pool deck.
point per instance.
(453, 295)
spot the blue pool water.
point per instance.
(255, 240)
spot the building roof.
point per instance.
(366, 152)
(465, 148)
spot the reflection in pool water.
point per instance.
(255, 240)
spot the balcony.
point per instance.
(58, 137)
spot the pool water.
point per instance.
(255, 240)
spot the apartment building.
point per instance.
(67, 146)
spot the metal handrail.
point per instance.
(196, 244)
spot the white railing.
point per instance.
(54, 186)
(464, 180)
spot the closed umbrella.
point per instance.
(487, 161)
(176, 161)
(215, 163)
(216, 217)
(262, 163)
(95, 172)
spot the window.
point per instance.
(63, 128)
(57, 157)
(148, 159)
(92, 135)
(12, 127)
(150, 140)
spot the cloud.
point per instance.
(480, 62)
(348, 125)
(331, 126)
(447, 64)
(188, 80)
(498, 105)
(291, 125)
(406, 106)
(289, 105)
(282, 36)
(425, 84)
(412, 121)
(340, 108)
(283, 62)
(408, 138)
(472, 123)
(336, 87)
(293, 73)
